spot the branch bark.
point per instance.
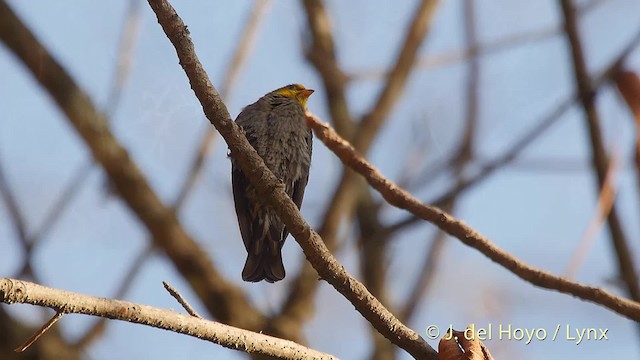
(456, 228)
(322, 54)
(15, 291)
(267, 185)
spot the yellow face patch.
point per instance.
(296, 92)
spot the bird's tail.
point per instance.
(264, 261)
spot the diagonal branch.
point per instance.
(267, 186)
(236, 65)
(223, 300)
(322, 54)
(456, 228)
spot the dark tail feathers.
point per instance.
(263, 266)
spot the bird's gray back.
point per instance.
(276, 127)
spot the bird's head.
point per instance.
(296, 92)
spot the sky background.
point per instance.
(537, 214)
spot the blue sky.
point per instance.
(538, 216)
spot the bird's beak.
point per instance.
(306, 93)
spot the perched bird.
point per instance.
(275, 126)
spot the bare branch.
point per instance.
(267, 186)
(181, 300)
(40, 332)
(65, 302)
(403, 200)
(322, 55)
(243, 50)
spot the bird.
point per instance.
(276, 128)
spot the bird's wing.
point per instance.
(239, 184)
(296, 192)
(239, 181)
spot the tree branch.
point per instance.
(267, 186)
(403, 200)
(16, 291)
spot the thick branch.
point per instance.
(267, 185)
(16, 291)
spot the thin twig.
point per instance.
(456, 228)
(40, 332)
(176, 295)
